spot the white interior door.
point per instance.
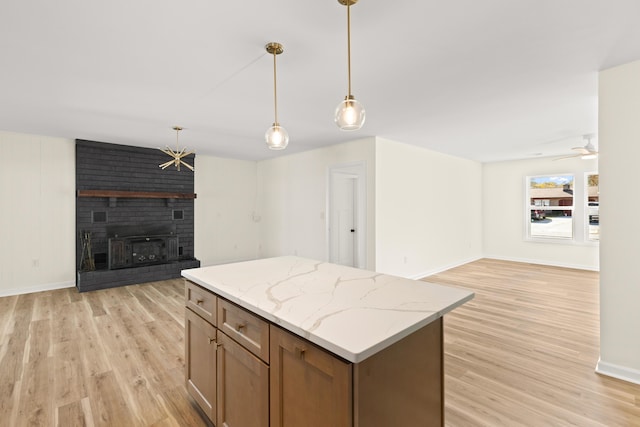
(343, 219)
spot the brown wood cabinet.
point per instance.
(402, 385)
(251, 373)
(309, 386)
(200, 362)
(201, 302)
(243, 386)
(223, 374)
(249, 330)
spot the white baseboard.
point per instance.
(36, 288)
(443, 268)
(620, 372)
(549, 263)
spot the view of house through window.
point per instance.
(551, 206)
(593, 206)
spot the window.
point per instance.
(550, 207)
(592, 217)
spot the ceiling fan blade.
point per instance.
(568, 157)
(581, 150)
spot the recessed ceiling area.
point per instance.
(488, 81)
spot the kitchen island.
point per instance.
(290, 341)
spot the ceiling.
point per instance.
(485, 80)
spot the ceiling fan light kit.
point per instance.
(350, 113)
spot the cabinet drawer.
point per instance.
(246, 328)
(201, 301)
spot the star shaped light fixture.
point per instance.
(176, 155)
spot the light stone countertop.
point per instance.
(353, 313)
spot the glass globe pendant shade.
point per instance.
(350, 114)
(276, 137)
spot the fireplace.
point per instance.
(134, 221)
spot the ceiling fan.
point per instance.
(588, 151)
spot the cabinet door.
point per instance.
(200, 362)
(309, 386)
(243, 386)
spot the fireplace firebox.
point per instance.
(141, 250)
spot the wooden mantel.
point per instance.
(135, 194)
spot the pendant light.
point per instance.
(350, 113)
(176, 156)
(276, 136)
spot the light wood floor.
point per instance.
(104, 358)
(524, 350)
(521, 353)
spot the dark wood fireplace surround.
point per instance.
(134, 221)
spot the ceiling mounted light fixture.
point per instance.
(350, 113)
(276, 136)
(585, 153)
(588, 151)
(177, 155)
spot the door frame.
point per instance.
(358, 169)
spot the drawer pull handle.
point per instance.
(213, 340)
(299, 352)
(240, 327)
(199, 301)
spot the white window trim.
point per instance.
(528, 207)
(580, 226)
(587, 239)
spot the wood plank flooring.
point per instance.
(524, 350)
(522, 353)
(105, 358)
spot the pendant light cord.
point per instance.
(349, 43)
(275, 92)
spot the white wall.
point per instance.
(226, 223)
(619, 136)
(424, 210)
(428, 210)
(504, 214)
(37, 213)
(292, 192)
